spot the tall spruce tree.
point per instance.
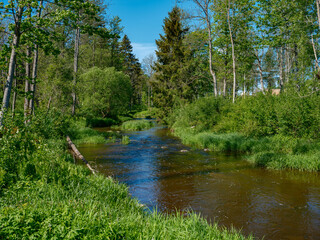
(132, 68)
(171, 82)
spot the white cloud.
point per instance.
(142, 50)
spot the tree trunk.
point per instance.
(280, 61)
(94, 52)
(204, 5)
(75, 70)
(288, 64)
(233, 55)
(213, 74)
(14, 98)
(12, 63)
(318, 11)
(315, 54)
(27, 84)
(244, 86)
(79, 155)
(260, 72)
(35, 69)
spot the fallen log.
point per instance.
(79, 155)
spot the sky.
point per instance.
(142, 21)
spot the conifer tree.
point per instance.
(171, 82)
(132, 68)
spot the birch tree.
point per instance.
(204, 6)
(23, 21)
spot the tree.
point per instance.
(23, 23)
(172, 66)
(104, 93)
(132, 68)
(204, 6)
(148, 66)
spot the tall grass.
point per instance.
(80, 134)
(137, 125)
(274, 152)
(148, 114)
(93, 208)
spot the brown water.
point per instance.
(222, 188)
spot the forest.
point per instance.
(228, 76)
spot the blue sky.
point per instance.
(142, 21)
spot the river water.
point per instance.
(221, 187)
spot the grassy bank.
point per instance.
(254, 127)
(43, 195)
(80, 133)
(275, 152)
(137, 125)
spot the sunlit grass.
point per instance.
(93, 208)
(81, 134)
(277, 152)
(137, 125)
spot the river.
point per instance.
(221, 187)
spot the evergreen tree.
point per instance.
(132, 68)
(171, 82)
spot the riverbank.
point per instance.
(276, 152)
(44, 195)
(272, 131)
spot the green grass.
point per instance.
(92, 208)
(137, 125)
(80, 134)
(125, 140)
(276, 152)
(148, 114)
(100, 122)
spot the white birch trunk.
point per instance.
(233, 55)
(35, 69)
(12, 64)
(75, 70)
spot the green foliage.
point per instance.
(104, 92)
(100, 122)
(198, 116)
(137, 125)
(80, 133)
(132, 68)
(173, 68)
(124, 118)
(278, 131)
(148, 114)
(125, 140)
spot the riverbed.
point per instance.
(169, 176)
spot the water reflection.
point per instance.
(274, 204)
